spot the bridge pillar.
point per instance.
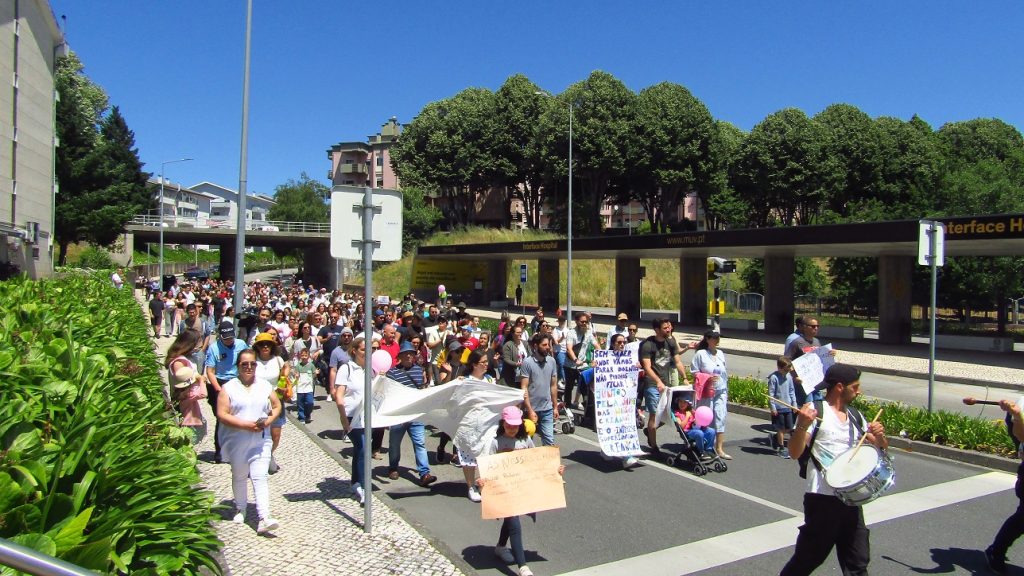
(627, 287)
(496, 283)
(227, 260)
(778, 294)
(693, 292)
(894, 299)
(319, 268)
(548, 286)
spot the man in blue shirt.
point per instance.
(221, 357)
(408, 373)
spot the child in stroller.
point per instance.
(698, 441)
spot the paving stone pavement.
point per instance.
(321, 525)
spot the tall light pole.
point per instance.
(161, 210)
(568, 277)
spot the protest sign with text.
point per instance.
(615, 375)
(811, 366)
(520, 482)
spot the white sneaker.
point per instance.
(630, 461)
(525, 571)
(266, 525)
(346, 439)
(504, 554)
(239, 517)
(357, 491)
(474, 494)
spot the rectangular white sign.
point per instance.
(924, 243)
(615, 376)
(347, 223)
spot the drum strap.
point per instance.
(854, 416)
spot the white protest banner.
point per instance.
(520, 482)
(811, 366)
(615, 376)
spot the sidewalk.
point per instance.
(910, 360)
(321, 525)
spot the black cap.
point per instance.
(839, 374)
(226, 329)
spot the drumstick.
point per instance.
(865, 435)
(790, 406)
(971, 402)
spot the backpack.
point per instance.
(858, 421)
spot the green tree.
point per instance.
(519, 163)
(603, 109)
(301, 200)
(675, 152)
(851, 162)
(419, 219)
(726, 208)
(779, 170)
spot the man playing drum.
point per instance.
(828, 521)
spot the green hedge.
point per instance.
(941, 427)
(92, 470)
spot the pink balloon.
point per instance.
(440, 288)
(381, 361)
(703, 416)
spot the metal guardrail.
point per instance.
(214, 223)
(36, 563)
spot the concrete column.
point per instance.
(227, 261)
(778, 294)
(548, 286)
(496, 283)
(693, 293)
(627, 287)
(894, 299)
(318, 267)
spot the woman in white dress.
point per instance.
(246, 407)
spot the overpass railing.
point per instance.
(215, 223)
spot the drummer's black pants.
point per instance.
(1014, 525)
(829, 523)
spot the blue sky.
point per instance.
(330, 71)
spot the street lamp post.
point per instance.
(161, 211)
(568, 277)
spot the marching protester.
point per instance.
(828, 521)
(348, 395)
(272, 368)
(408, 373)
(187, 384)
(780, 387)
(710, 360)
(806, 342)
(511, 435)
(659, 355)
(246, 408)
(1013, 527)
(539, 382)
(221, 366)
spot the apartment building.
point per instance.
(31, 42)
(366, 163)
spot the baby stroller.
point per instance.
(689, 452)
(564, 419)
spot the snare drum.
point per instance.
(860, 476)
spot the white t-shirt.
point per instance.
(834, 438)
(350, 375)
(269, 370)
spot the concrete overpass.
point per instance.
(894, 244)
(312, 238)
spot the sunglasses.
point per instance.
(247, 365)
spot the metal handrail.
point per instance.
(34, 562)
(216, 223)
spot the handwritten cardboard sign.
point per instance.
(520, 482)
(615, 375)
(811, 366)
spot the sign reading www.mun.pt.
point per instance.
(615, 376)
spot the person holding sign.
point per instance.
(797, 347)
(512, 436)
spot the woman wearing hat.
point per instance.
(273, 369)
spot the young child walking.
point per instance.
(305, 374)
(512, 435)
(780, 387)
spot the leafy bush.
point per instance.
(92, 470)
(94, 258)
(941, 427)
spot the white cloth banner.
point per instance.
(811, 366)
(615, 375)
(467, 409)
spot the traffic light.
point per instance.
(719, 266)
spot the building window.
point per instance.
(380, 182)
(380, 160)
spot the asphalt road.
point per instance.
(656, 520)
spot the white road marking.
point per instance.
(757, 540)
(708, 483)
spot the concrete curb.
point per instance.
(894, 372)
(936, 450)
